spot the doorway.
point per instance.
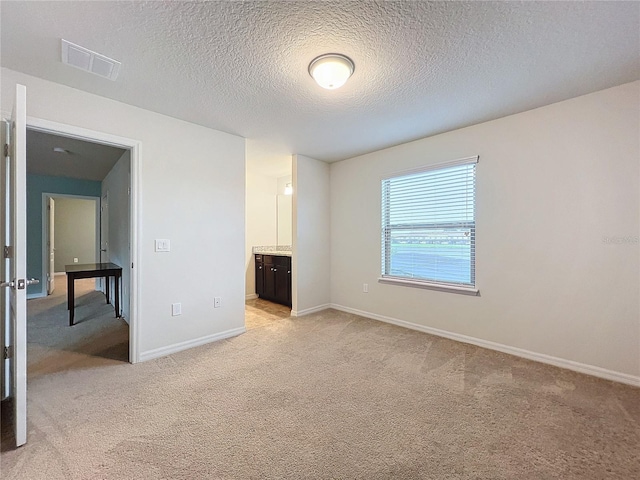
(72, 233)
(117, 183)
(74, 227)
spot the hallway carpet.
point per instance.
(96, 339)
(329, 395)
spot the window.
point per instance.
(428, 226)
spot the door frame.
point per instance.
(134, 146)
(104, 228)
(51, 243)
(45, 234)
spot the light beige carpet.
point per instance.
(329, 395)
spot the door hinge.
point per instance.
(8, 352)
(7, 251)
(6, 149)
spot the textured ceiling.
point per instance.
(88, 161)
(421, 67)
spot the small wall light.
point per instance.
(288, 189)
(331, 70)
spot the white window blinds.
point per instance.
(428, 224)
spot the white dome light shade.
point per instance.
(332, 70)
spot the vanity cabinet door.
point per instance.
(273, 278)
(259, 276)
(269, 281)
(282, 284)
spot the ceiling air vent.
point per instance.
(89, 61)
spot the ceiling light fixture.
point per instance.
(60, 150)
(331, 70)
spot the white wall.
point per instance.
(311, 235)
(260, 220)
(284, 212)
(116, 186)
(192, 192)
(74, 231)
(285, 219)
(552, 185)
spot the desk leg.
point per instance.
(116, 280)
(70, 298)
(106, 287)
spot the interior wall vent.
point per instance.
(89, 61)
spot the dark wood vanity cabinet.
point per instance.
(273, 278)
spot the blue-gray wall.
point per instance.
(36, 186)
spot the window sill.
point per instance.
(428, 285)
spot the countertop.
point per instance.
(280, 253)
(278, 250)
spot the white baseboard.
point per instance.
(251, 296)
(307, 311)
(178, 347)
(518, 352)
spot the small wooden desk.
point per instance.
(92, 270)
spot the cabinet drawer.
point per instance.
(258, 258)
(276, 260)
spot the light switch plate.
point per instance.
(176, 309)
(163, 245)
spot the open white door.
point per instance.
(51, 215)
(15, 311)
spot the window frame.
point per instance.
(469, 289)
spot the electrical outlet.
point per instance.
(365, 287)
(217, 302)
(176, 309)
(75, 260)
